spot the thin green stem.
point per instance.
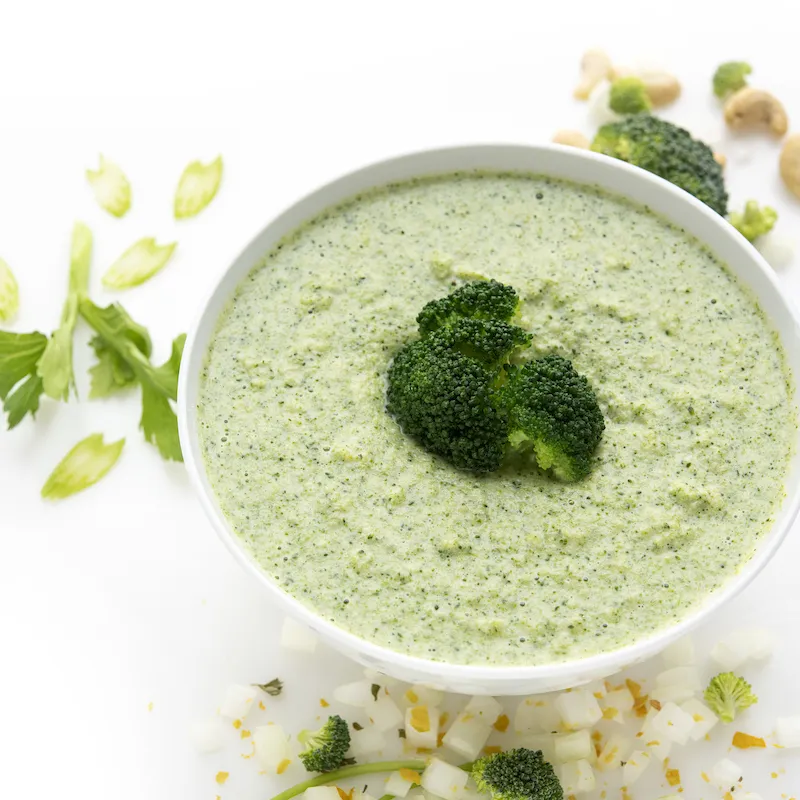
(350, 772)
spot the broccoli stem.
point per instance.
(350, 772)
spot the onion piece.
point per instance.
(787, 732)
(295, 636)
(467, 736)
(239, 701)
(357, 694)
(680, 653)
(726, 773)
(577, 777)
(536, 714)
(574, 747)
(444, 780)
(271, 746)
(704, 718)
(635, 766)
(578, 709)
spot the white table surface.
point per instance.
(122, 596)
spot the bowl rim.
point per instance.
(479, 674)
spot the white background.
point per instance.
(122, 596)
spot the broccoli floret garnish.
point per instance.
(727, 694)
(456, 392)
(324, 750)
(518, 774)
(667, 151)
(554, 409)
(477, 300)
(730, 77)
(754, 221)
(629, 96)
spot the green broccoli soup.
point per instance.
(357, 520)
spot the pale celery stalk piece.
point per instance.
(55, 365)
(197, 187)
(111, 188)
(82, 467)
(138, 263)
(9, 293)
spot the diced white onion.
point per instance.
(467, 736)
(658, 745)
(747, 644)
(295, 636)
(383, 680)
(536, 714)
(599, 109)
(750, 796)
(680, 653)
(726, 773)
(417, 738)
(577, 777)
(578, 709)
(680, 676)
(614, 751)
(444, 780)
(366, 742)
(672, 694)
(673, 723)
(621, 700)
(321, 793)
(419, 695)
(272, 746)
(384, 713)
(485, 708)
(635, 766)
(207, 736)
(238, 702)
(787, 732)
(574, 746)
(357, 694)
(704, 718)
(397, 785)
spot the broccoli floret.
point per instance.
(754, 221)
(440, 393)
(325, 749)
(554, 409)
(667, 151)
(730, 77)
(477, 300)
(629, 96)
(456, 392)
(728, 694)
(519, 774)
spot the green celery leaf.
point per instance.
(197, 187)
(9, 293)
(19, 354)
(138, 263)
(55, 366)
(23, 400)
(82, 467)
(112, 373)
(111, 188)
(160, 424)
(168, 371)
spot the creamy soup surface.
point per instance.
(354, 519)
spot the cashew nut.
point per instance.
(572, 138)
(721, 159)
(753, 110)
(595, 67)
(790, 164)
(661, 88)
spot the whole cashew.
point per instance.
(790, 164)
(572, 138)
(754, 110)
(661, 88)
(595, 67)
(721, 159)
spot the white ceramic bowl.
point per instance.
(556, 161)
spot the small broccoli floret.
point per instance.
(629, 96)
(440, 393)
(325, 749)
(727, 694)
(754, 221)
(477, 300)
(519, 774)
(554, 409)
(730, 77)
(667, 151)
